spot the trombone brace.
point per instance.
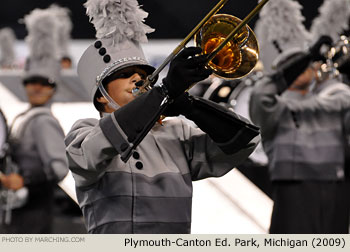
(222, 125)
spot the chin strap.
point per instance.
(111, 103)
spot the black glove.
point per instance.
(179, 105)
(298, 63)
(314, 50)
(344, 68)
(185, 70)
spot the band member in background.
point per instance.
(37, 140)
(132, 173)
(302, 129)
(64, 29)
(7, 48)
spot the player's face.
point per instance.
(121, 88)
(38, 94)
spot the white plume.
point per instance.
(118, 19)
(7, 47)
(64, 28)
(260, 30)
(332, 20)
(41, 25)
(282, 23)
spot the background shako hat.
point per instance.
(7, 48)
(280, 29)
(281, 32)
(119, 31)
(64, 29)
(43, 46)
(332, 20)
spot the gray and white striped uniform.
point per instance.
(303, 136)
(152, 191)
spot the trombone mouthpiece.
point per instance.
(137, 90)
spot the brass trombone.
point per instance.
(232, 51)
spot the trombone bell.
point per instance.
(238, 57)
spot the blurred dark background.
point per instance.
(171, 19)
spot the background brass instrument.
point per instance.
(337, 57)
(232, 46)
(340, 52)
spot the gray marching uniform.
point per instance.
(152, 191)
(303, 137)
(38, 153)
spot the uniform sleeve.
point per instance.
(50, 145)
(337, 102)
(88, 151)
(206, 158)
(222, 125)
(266, 107)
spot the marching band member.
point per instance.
(302, 129)
(37, 140)
(303, 136)
(64, 29)
(7, 48)
(132, 173)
